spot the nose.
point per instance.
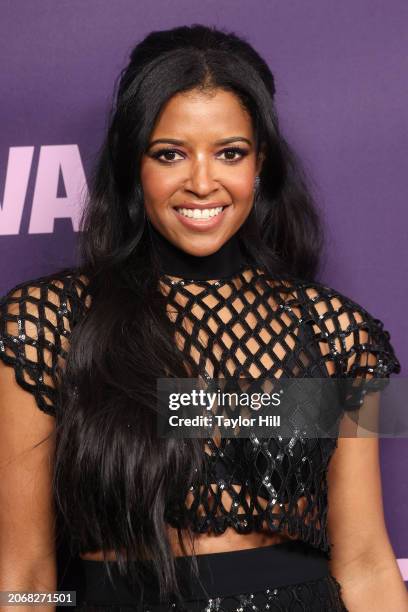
(201, 180)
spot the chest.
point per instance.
(245, 331)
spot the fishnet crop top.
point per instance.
(245, 325)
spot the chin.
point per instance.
(210, 247)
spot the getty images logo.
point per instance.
(55, 162)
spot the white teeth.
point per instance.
(200, 213)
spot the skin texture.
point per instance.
(363, 560)
(27, 516)
(200, 171)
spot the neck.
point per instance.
(225, 262)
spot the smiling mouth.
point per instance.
(200, 213)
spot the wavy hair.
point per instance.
(115, 479)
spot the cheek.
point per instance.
(157, 184)
(241, 186)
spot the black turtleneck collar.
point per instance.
(225, 262)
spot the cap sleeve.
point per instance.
(356, 343)
(366, 356)
(370, 358)
(35, 324)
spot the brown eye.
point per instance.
(232, 153)
(166, 152)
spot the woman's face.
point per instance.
(201, 157)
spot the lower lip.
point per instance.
(201, 224)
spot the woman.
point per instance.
(200, 248)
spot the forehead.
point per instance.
(208, 115)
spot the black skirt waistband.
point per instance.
(220, 574)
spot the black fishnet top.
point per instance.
(246, 324)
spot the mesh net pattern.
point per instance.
(248, 325)
(36, 319)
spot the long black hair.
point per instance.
(115, 479)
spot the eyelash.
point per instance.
(242, 153)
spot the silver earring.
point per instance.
(257, 183)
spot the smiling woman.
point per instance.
(202, 185)
(200, 247)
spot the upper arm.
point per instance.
(356, 524)
(34, 330)
(364, 358)
(27, 548)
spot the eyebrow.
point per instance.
(182, 142)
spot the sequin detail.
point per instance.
(322, 595)
(248, 325)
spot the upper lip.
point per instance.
(202, 206)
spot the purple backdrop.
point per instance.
(341, 76)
